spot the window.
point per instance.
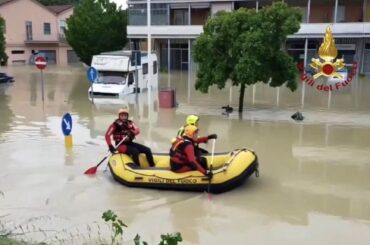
(47, 29)
(18, 62)
(130, 78)
(341, 14)
(112, 77)
(159, 14)
(137, 14)
(180, 17)
(145, 68)
(154, 67)
(62, 27)
(29, 30)
(304, 14)
(17, 51)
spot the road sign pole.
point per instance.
(136, 85)
(92, 92)
(68, 141)
(42, 85)
(41, 64)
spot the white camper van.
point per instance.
(117, 77)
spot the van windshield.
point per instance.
(112, 77)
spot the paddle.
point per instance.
(92, 170)
(210, 169)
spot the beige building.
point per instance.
(176, 24)
(31, 27)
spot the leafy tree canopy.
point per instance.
(96, 26)
(245, 46)
(3, 56)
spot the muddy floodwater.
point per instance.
(314, 184)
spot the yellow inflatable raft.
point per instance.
(229, 171)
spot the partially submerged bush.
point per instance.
(117, 231)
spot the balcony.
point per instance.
(188, 31)
(62, 38)
(317, 30)
(41, 38)
(170, 14)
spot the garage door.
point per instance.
(50, 55)
(72, 57)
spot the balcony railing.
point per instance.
(62, 38)
(42, 38)
(354, 29)
(192, 31)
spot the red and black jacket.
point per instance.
(183, 152)
(120, 129)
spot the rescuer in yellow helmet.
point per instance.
(194, 120)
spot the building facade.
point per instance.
(176, 24)
(32, 28)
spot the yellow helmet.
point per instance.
(189, 131)
(122, 110)
(192, 120)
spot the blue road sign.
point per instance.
(92, 74)
(67, 124)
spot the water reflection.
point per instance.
(33, 90)
(143, 109)
(6, 114)
(51, 95)
(78, 98)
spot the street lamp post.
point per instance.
(149, 41)
(150, 63)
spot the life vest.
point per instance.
(121, 130)
(177, 153)
(180, 133)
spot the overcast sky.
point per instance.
(121, 3)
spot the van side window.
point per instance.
(154, 67)
(130, 78)
(145, 68)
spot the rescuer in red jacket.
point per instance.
(121, 128)
(194, 120)
(182, 153)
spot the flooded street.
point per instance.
(314, 186)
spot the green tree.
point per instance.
(58, 2)
(96, 26)
(245, 47)
(3, 56)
